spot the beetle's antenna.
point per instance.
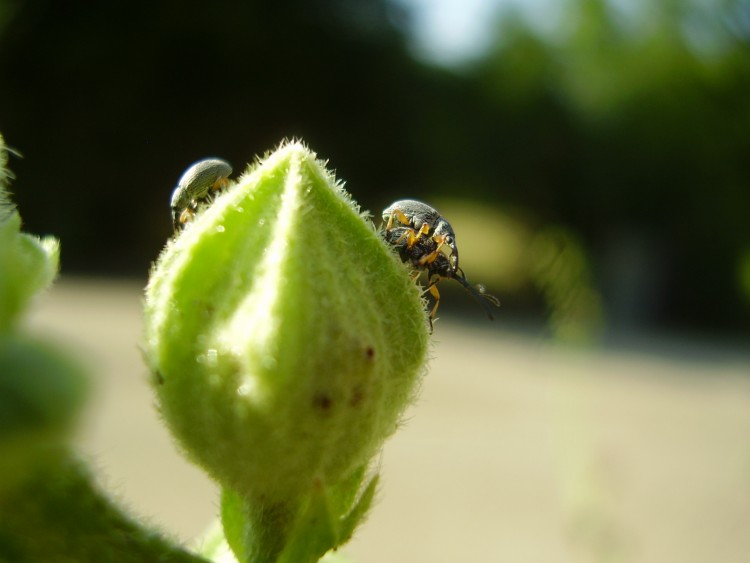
(478, 294)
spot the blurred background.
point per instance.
(593, 157)
(613, 131)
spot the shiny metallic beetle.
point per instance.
(198, 184)
(426, 241)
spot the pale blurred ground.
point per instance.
(517, 451)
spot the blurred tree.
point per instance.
(633, 131)
(626, 123)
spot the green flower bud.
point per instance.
(41, 389)
(284, 336)
(27, 264)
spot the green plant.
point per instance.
(284, 339)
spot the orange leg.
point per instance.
(411, 235)
(408, 234)
(220, 184)
(403, 219)
(186, 215)
(432, 256)
(436, 294)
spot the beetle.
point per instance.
(198, 184)
(426, 240)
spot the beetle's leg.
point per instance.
(185, 216)
(414, 236)
(423, 231)
(432, 256)
(220, 184)
(440, 239)
(432, 288)
(215, 188)
(408, 234)
(428, 258)
(402, 218)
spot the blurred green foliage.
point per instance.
(625, 122)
